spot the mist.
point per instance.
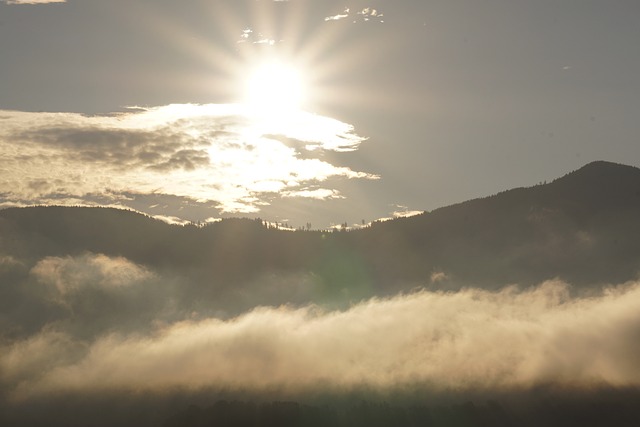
(459, 341)
(521, 354)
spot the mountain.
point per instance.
(111, 312)
(582, 228)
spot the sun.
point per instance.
(275, 86)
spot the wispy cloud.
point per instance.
(366, 14)
(70, 274)
(219, 154)
(405, 212)
(249, 36)
(318, 193)
(401, 212)
(339, 16)
(470, 340)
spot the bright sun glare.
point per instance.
(275, 86)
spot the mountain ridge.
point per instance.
(579, 228)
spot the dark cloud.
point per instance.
(188, 160)
(118, 147)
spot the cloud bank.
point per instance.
(225, 155)
(68, 274)
(469, 340)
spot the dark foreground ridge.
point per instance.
(621, 411)
(573, 413)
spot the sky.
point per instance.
(305, 111)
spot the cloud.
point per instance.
(469, 340)
(34, 1)
(367, 14)
(248, 36)
(406, 213)
(69, 274)
(401, 212)
(438, 276)
(172, 219)
(8, 261)
(318, 193)
(339, 16)
(220, 154)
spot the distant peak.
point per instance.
(602, 164)
(601, 175)
(602, 168)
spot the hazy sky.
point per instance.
(406, 104)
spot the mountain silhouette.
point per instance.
(91, 291)
(582, 228)
(578, 228)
